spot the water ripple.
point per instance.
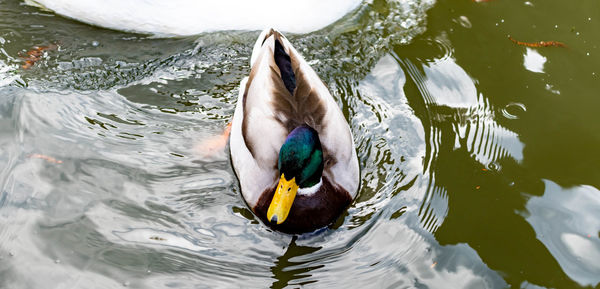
(128, 201)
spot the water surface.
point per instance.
(479, 156)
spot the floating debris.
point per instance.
(538, 44)
(46, 158)
(35, 54)
(157, 238)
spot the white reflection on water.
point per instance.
(450, 95)
(405, 249)
(404, 256)
(7, 73)
(534, 61)
(566, 222)
(160, 238)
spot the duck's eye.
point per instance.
(289, 189)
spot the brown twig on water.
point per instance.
(538, 44)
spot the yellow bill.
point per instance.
(282, 200)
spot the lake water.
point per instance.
(479, 157)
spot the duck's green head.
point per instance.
(300, 166)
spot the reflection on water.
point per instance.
(566, 221)
(485, 152)
(451, 99)
(101, 185)
(410, 248)
(534, 61)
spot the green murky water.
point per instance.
(479, 157)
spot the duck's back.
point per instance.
(270, 107)
(190, 17)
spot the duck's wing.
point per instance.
(257, 133)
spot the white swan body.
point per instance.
(190, 17)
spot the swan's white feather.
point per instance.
(190, 17)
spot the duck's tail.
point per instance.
(281, 57)
(264, 35)
(283, 61)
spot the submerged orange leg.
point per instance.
(538, 44)
(215, 144)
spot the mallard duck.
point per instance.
(190, 17)
(291, 147)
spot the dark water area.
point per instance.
(479, 156)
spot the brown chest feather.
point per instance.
(308, 213)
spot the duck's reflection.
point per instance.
(285, 269)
